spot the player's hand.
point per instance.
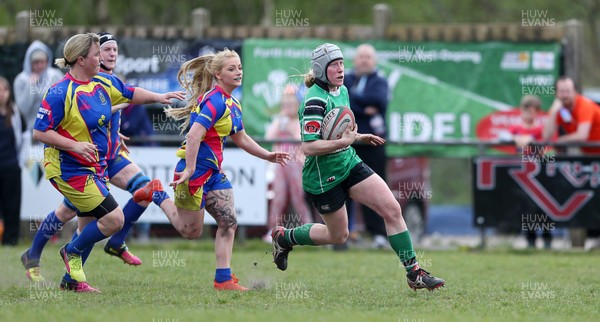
(370, 139)
(123, 145)
(181, 177)
(119, 107)
(166, 97)
(350, 135)
(86, 150)
(281, 158)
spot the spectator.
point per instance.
(33, 82)
(579, 118)
(287, 183)
(368, 99)
(525, 132)
(12, 127)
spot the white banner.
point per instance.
(246, 173)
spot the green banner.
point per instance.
(438, 91)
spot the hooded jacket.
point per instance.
(28, 96)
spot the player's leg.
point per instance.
(374, 193)
(219, 203)
(185, 213)
(331, 204)
(50, 225)
(67, 282)
(374, 157)
(91, 232)
(128, 176)
(93, 201)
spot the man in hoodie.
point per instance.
(33, 82)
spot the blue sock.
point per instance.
(159, 196)
(48, 228)
(223, 275)
(86, 252)
(132, 212)
(68, 278)
(90, 235)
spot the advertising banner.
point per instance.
(438, 91)
(536, 191)
(246, 173)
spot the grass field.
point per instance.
(175, 284)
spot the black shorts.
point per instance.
(335, 198)
(107, 206)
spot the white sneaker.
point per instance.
(267, 237)
(380, 242)
(592, 244)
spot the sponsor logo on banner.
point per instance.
(543, 60)
(515, 60)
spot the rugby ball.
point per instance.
(336, 121)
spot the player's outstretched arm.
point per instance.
(246, 143)
(370, 139)
(142, 96)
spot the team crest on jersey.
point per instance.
(102, 97)
(312, 127)
(229, 102)
(236, 113)
(101, 120)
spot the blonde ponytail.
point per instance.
(204, 68)
(309, 78)
(200, 83)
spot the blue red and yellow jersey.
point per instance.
(80, 111)
(115, 139)
(221, 114)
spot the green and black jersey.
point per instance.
(321, 173)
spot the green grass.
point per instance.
(319, 285)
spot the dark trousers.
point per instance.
(532, 235)
(10, 203)
(374, 157)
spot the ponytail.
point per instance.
(204, 68)
(309, 78)
(200, 83)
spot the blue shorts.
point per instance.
(117, 164)
(191, 194)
